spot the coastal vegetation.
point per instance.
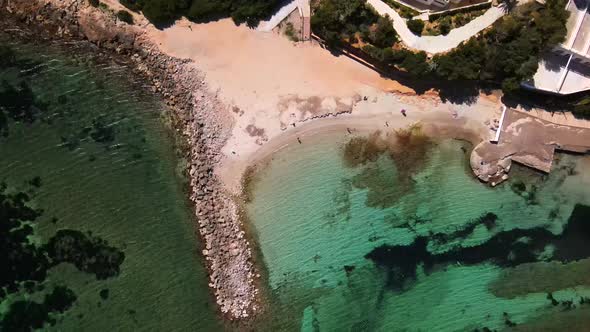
(403, 11)
(125, 16)
(340, 22)
(582, 107)
(291, 33)
(415, 26)
(442, 25)
(507, 53)
(162, 12)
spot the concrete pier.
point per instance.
(527, 140)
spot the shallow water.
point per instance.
(345, 251)
(107, 165)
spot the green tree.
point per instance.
(125, 16)
(445, 25)
(384, 34)
(334, 19)
(415, 26)
(415, 64)
(160, 11)
(510, 85)
(133, 5)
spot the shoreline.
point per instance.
(434, 125)
(364, 119)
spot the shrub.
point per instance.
(125, 16)
(445, 25)
(133, 5)
(403, 11)
(290, 32)
(416, 26)
(333, 17)
(406, 12)
(241, 11)
(165, 11)
(384, 34)
(582, 107)
(160, 11)
(415, 63)
(94, 3)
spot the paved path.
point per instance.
(437, 44)
(278, 17)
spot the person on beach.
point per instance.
(386, 124)
(403, 111)
(348, 130)
(299, 140)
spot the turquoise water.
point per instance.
(107, 165)
(318, 221)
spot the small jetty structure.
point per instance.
(527, 140)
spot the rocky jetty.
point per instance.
(202, 120)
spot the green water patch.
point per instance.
(549, 277)
(505, 249)
(418, 261)
(26, 264)
(394, 158)
(116, 228)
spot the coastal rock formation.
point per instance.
(201, 119)
(488, 164)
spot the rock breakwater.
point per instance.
(202, 120)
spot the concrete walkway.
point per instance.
(437, 44)
(278, 17)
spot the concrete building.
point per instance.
(566, 69)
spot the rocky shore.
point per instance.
(202, 120)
